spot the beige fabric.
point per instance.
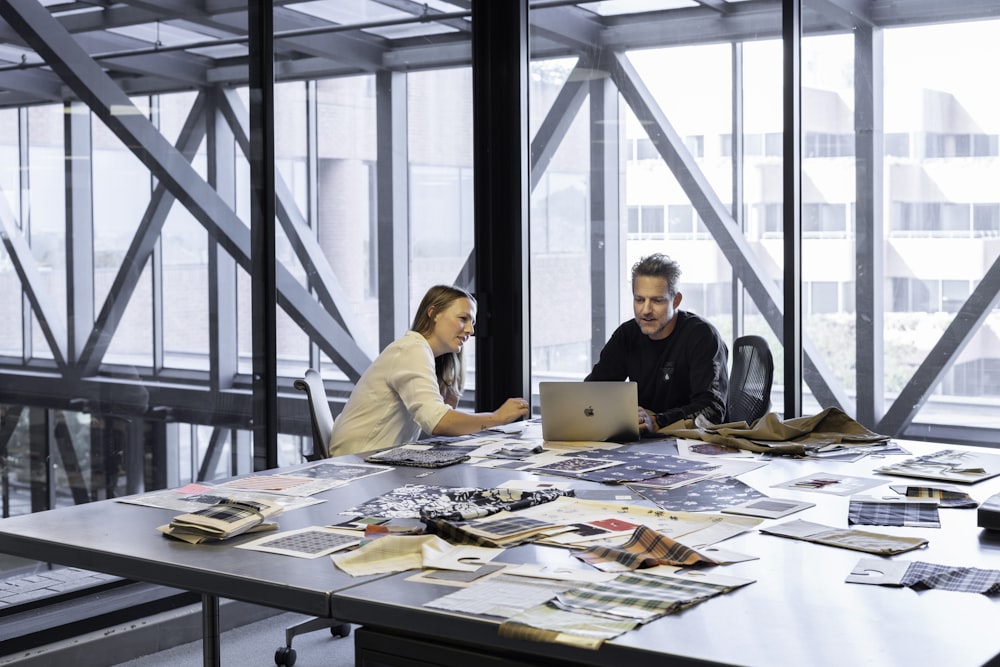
(771, 434)
(391, 553)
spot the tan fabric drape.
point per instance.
(771, 434)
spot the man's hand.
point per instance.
(647, 421)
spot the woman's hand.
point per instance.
(457, 422)
(511, 410)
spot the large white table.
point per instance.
(799, 611)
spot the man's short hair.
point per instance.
(659, 265)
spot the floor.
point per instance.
(254, 645)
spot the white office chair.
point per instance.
(319, 411)
(322, 428)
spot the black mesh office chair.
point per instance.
(322, 428)
(750, 380)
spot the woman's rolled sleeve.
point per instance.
(416, 384)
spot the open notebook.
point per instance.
(589, 411)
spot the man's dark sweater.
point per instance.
(679, 377)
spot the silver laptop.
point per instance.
(589, 411)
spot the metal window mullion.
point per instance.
(501, 169)
(736, 155)
(79, 229)
(312, 190)
(869, 223)
(391, 188)
(791, 29)
(24, 216)
(605, 233)
(222, 283)
(156, 264)
(263, 270)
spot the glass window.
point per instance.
(986, 219)
(897, 144)
(953, 294)
(681, 217)
(823, 297)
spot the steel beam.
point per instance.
(606, 252)
(502, 192)
(968, 320)
(392, 194)
(141, 248)
(86, 78)
(869, 233)
(300, 236)
(793, 338)
(560, 117)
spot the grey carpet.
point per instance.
(254, 644)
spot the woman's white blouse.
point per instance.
(396, 398)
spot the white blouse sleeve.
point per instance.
(414, 381)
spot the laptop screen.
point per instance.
(589, 411)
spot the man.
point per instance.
(677, 358)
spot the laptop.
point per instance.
(589, 411)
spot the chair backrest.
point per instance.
(750, 380)
(319, 411)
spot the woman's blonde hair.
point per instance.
(450, 368)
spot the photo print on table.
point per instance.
(830, 483)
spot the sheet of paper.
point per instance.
(830, 483)
(311, 542)
(501, 596)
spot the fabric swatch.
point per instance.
(858, 540)
(452, 503)
(920, 575)
(646, 548)
(866, 511)
(705, 496)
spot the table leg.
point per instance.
(210, 630)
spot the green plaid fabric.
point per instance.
(639, 596)
(646, 548)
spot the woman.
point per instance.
(416, 382)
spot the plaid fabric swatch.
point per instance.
(875, 513)
(457, 532)
(945, 497)
(546, 623)
(454, 532)
(858, 540)
(642, 597)
(510, 525)
(920, 575)
(587, 615)
(646, 548)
